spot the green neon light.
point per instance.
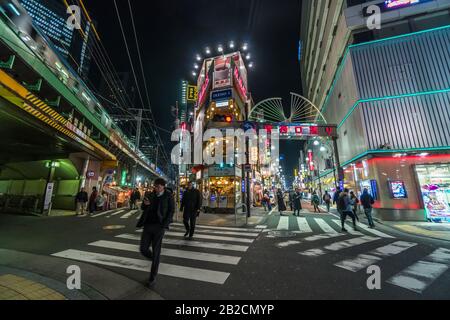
(362, 155)
(408, 95)
(347, 51)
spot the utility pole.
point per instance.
(137, 142)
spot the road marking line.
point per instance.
(349, 228)
(261, 227)
(183, 254)
(338, 246)
(303, 225)
(375, 232)
(188, 243)
(219, 228)
(129, 214)
(229, 233)
(102, 213)
(209, 237)
(170, 270)
(115, 213)
(422, 274)
(363, 261)
(324, 226)
(287, 244)
(324, 236)
(283, 223)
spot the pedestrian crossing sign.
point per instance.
(192, 94)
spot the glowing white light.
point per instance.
(208, 50)
(316, 142)
(231, 45)
(220, 48)
(196, 66)
(248, 56)
(199, 58)
(323, 149)
(245, 47)
(250, 65)
(194, 73)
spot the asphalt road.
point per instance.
(283, 258)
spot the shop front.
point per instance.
(222, 189)
(405, 187)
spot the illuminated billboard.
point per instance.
(222, 72)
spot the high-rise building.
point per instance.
(387, 87)
(51, 17)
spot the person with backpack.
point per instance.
(327, 200)
(315, 201)
(345, 208)
(355, 202)
(367, 202)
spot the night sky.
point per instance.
(172, 32)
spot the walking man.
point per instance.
(367, 202)
(93, 201)
(336, 196)
(190, 205)
(158, 208)
(135, 196)
(297, 199)
(81, 200)
(345, 208)
(315, 202)
(327, 200)
(280, 201)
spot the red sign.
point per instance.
(310, 160)
(298, 130)
(203, 90)
(284, 130)
(240, 84)
(314, 130)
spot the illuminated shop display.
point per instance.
(397, 189)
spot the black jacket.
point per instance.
(164, 211)
(81, 196)
(191, 202)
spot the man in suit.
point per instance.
(190, 205)
(158, 208)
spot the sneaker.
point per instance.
(186, 234)
(344, 230)
(151, 283)
(191, 238)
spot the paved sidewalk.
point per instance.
(25, 276)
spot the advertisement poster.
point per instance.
(222, 72)
(435, 200)
(398, 190)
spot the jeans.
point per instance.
(328, 204)
(152, 235)
(368, 212)
(189, 223)
(81, 206)
(344, 215)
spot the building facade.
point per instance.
(388, 90)
(51, 17)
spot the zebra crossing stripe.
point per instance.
(324, 236)
(363, 261)
(209, 237)
(287, 244)
(261, 227)
(129, 214)
(422, 274)
(283, 223)
(349, 228)
(303, 225)
(191, 255)
(324, 226)
(338, 246)
(102, 213)
(219, 228)
(188, 243)
(116, 213)
(374, 232)
(218, 232)
(170, 270)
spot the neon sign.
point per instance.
(400, 3)
(240, 84)
(202, 94)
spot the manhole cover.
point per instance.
(281, 234)
(113, 227)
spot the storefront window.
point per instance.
(434, 183)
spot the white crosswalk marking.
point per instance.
(191, 255)
(324, 226)
(324, 236)
(374, 232)
(338, 246)
(303, 225)
(283, 223)
(349, 228)
(198, 274)
(187, 243)
(218, 228)
(102, 213)
(422, 274)
(218, 232)
(116, 213)
(209, 237)
(129, 214)
(261, 227)
(363, 261)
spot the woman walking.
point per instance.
(280, 200)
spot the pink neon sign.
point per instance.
(202, 94)
(240, 84)
(400, 3)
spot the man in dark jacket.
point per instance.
(158, 208)
(135, 196)
(81, 200)
(190, 205)
(367, 203)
